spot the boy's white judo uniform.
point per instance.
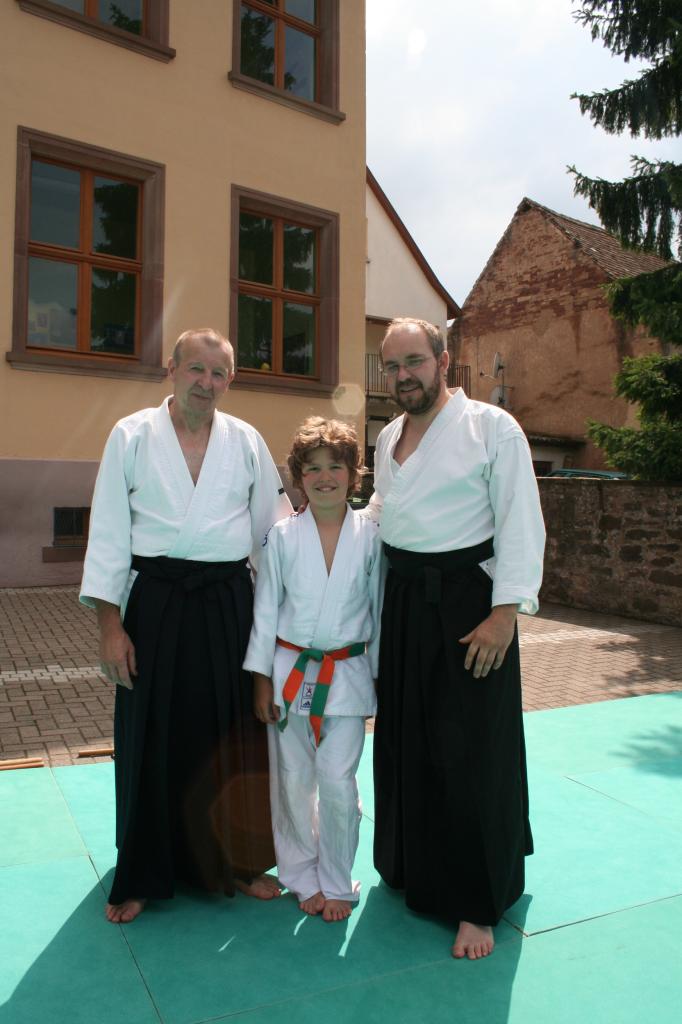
(316, 836)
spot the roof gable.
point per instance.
(453, 309)
(603, 248)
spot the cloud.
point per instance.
(482, 117)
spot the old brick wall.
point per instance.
(539, 302)
(614, 546)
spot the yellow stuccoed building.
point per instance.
(167, 164)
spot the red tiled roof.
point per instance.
(605, 249)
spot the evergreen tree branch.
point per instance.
(654, 452)
(632, 28)
(652, 300)
(656, 383)
(650, 105)
(643, 210)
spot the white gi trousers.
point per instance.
(316, 808)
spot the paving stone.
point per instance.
(49, 675)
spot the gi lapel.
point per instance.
(336, 581)
(202, 492)
(418, 461)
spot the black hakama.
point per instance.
(192, 799)
(451, 793)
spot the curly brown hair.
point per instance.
(340, 438)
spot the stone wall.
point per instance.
(614, 546)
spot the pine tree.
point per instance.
(645, 212)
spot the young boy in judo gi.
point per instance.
(313, 653)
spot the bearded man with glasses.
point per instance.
(459, 513)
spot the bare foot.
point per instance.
(265, 887)
(473, 941)
(313, 905)
(337, 910)
(124, 913)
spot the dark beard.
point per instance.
(419, 401)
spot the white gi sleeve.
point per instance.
(373, 508)
(519, 527)
(260, 654)
(268, 502)
(109, 553)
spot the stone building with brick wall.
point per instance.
(540, 304)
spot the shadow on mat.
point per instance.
(657, 752)
(198, 957)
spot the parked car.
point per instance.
(599, 474)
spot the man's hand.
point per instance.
(263, 707)
(488, 643)
(116, 650)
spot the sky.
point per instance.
(469, 110)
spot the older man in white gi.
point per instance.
(462, 529)
(184, 496)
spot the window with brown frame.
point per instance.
(288, 50)
(284, 293)
(140, 25)
(89, 259)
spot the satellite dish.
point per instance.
(497, 396)
(497, 365)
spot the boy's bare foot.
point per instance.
(313, 905)
(265, 887)
(124, 913)
(337, 910)
(473, 941)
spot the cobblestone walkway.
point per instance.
(55, 706)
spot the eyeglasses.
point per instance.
(411, 363)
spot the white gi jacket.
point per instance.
(146, 503)
(470, 478)
(298, 601)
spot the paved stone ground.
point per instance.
(55, 706)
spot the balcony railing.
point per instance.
(375, 382)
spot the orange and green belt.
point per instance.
(324, 679)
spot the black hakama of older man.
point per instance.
(192, 802)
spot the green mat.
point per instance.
(596, 937)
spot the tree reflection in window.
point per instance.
(277, 263)
(278, 44)
(83, 287)
(124, 14)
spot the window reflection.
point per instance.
(55, 204)
(299, 63)
(255, 248)
(303, 9)
(52, 303)
(125, 14)
(299, 339)
(299, 258)
(257, 45)
(114, 224)
(255, 333)
(112, 323)
(72, 5)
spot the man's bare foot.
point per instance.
(337, 910)
(313, 905)
(473, 941)
(265, 887)
(124, 913)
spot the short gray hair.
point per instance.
(207, 334)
